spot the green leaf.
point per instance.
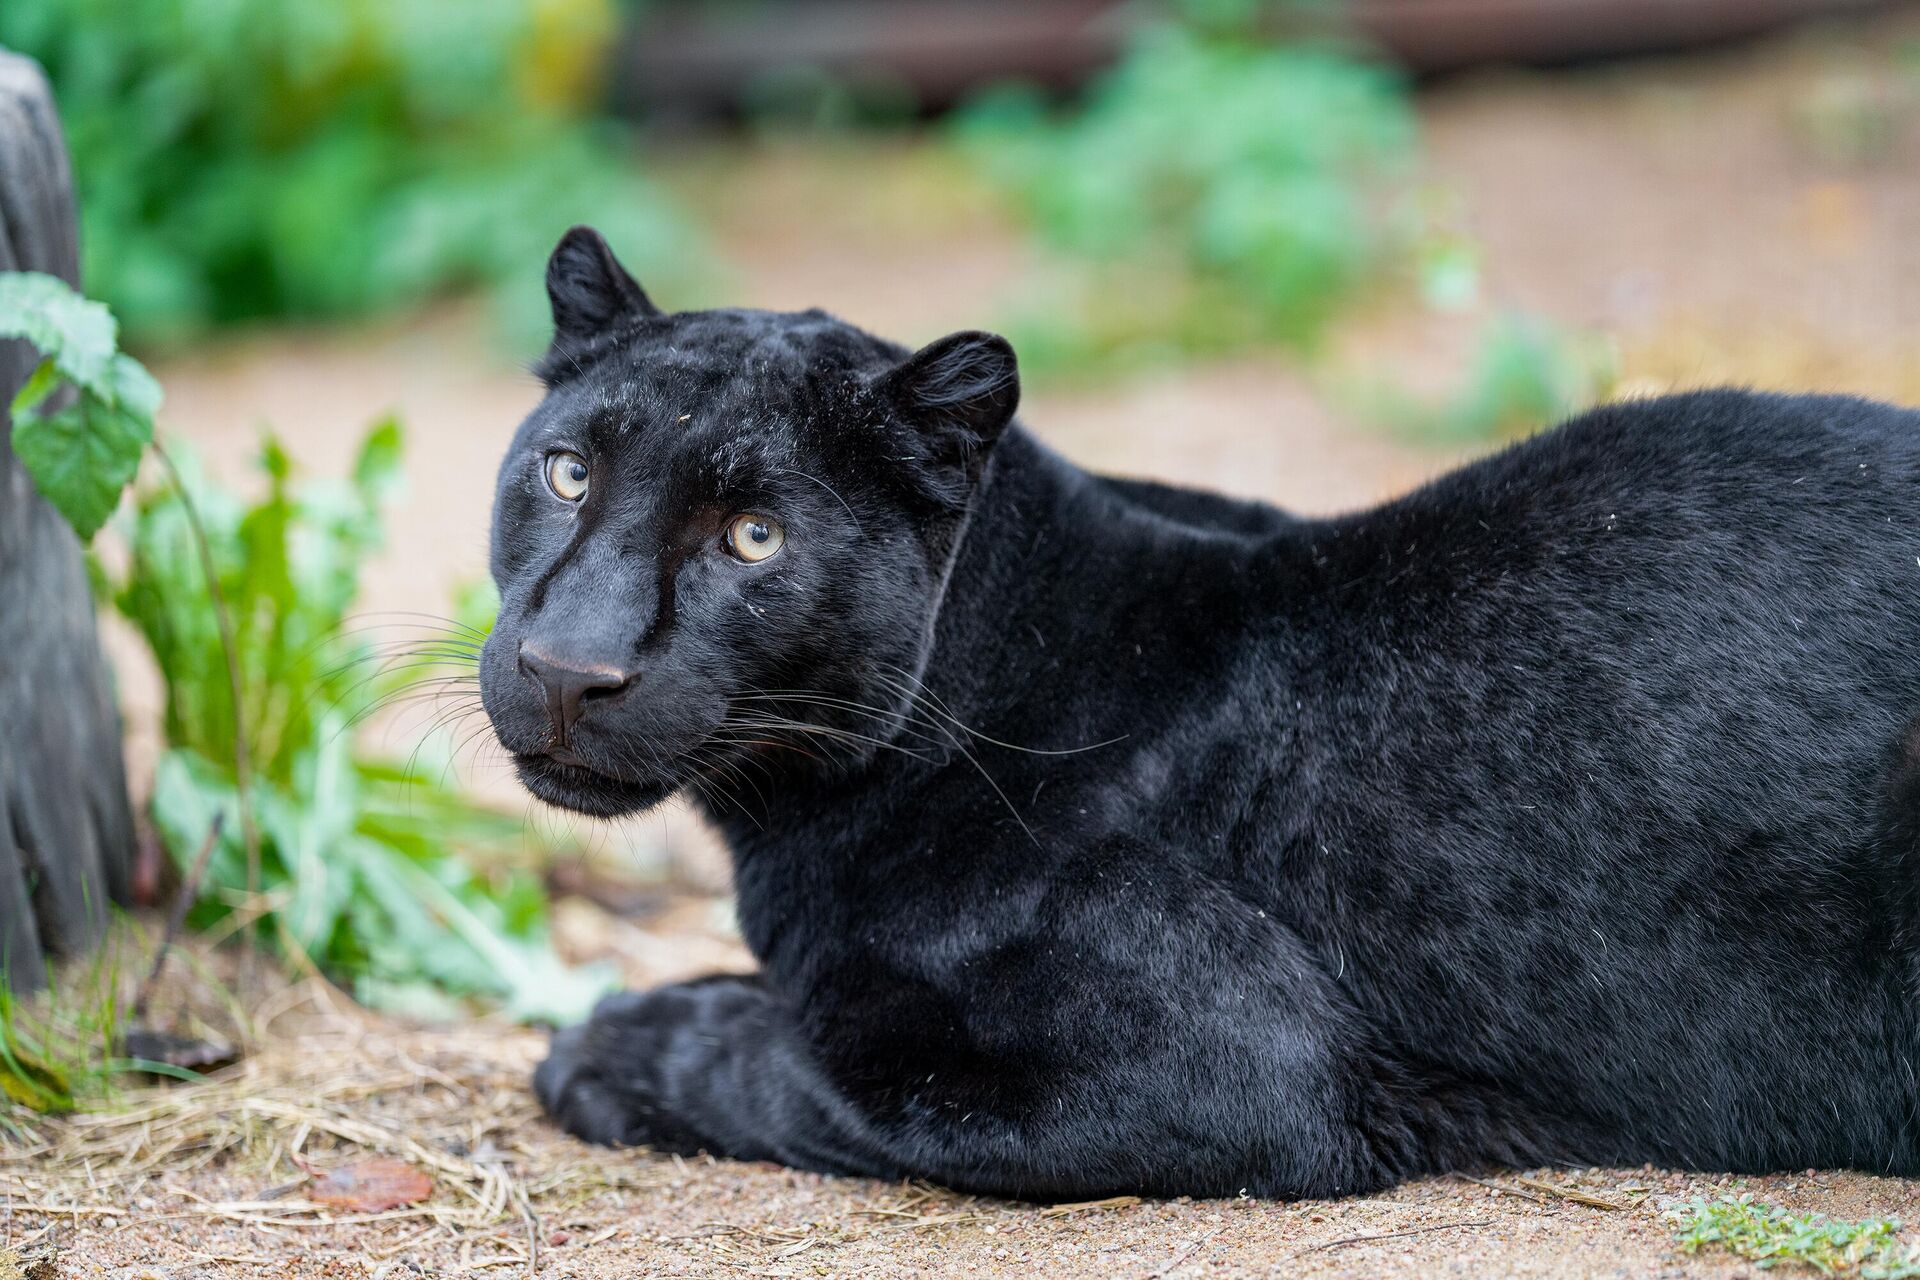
(132, 389)
(321, 870)
(38, 386)
(377, 469)
(76, 334)
(82, 457)
(536, 985)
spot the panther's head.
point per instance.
(722, 536)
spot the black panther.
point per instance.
(1096, 835)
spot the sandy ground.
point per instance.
(212, 1180)
(1700, 214)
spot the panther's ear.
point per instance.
(589, 289)
(959, 393)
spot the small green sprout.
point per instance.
(1770, 1236)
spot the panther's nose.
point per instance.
(569, 686)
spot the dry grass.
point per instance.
(332, 1080)
(213, 1173)
(210, 1179)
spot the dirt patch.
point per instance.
(215, 1180)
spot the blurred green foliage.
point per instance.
(1853, 116)
(1526, 374)
(243, 159)
(58, 1049)
(359, 872)
(1236, 181)
(1228, 189)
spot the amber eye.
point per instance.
(567, 475)
(754, 538)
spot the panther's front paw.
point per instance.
(601, 1079)
(570, 1085)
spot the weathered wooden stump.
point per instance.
(66, 829)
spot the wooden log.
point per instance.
(66, 827)
(689, 59)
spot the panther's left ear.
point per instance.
(589, 289)
(960, 393)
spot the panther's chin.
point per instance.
(588, 791)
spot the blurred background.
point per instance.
(1313, 252)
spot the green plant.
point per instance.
(1526, 374)
(57, 1048)
(239, 159)
(1264, 173)
(83, 454)
(42, 1057)
(346, 860)
(1769, 1236)
(356, 866)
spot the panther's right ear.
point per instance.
(589, 289)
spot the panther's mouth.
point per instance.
(564, 780)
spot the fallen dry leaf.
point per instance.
(371, 1186)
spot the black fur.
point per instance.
(1096, 835)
